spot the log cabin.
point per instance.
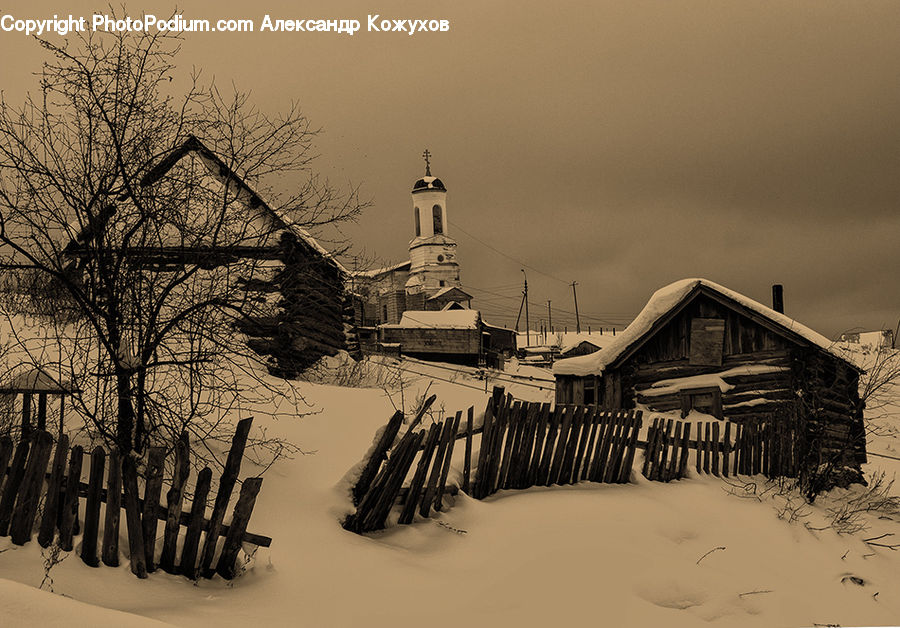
(697, 345)
(304, 281)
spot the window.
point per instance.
(707, 400)
(440, 258)
(418, 224)
(442, 283)
(707, 339)
(438, 219)
(384, 314)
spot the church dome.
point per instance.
(429, 183)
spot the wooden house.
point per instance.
(304, 281)
(697, 345)
(455, 336)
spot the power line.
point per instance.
(509, 257)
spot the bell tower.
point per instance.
(432, 252)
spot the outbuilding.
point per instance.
(698, 345)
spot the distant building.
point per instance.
(877, 339)
(428, 282)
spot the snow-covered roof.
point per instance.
(429, 183)
(663, 301)
(36, 381)
(570, 341)
(447, 289)
(444, 319)
(379, 271)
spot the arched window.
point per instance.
(438, 219)
(418, 224)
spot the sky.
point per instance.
(623, 145)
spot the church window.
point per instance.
(418, 224)
(438, 219)
(440, 258)
(442, 283)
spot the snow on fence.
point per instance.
(526, 444)
(27, 479)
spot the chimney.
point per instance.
(778, 298)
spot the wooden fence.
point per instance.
(526, 444)
(28, 485)
(764, 447)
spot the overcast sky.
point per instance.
(623, 145)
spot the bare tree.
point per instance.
(140, 207)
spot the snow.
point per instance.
(677, 384)
(378, 271)
(642, 554)
(444, 319)
(664, 300)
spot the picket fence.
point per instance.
(524, 444)
(33, 497)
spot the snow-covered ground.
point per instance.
(680, 554)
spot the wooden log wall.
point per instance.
(27, 482)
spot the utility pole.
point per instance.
(549, 317)
(525, 297)
(577, 320)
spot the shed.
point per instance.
(699, 345)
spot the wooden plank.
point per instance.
(436, 468)
(670, 473)
(445, 469)
(174, 502)
(378, 455)
(605, 444)
(553, 419)
(625, 473)
(377, 518)
(596, 415)
(11, 487)
(92, 509)
(30, 491)
(566, 470)
(706, 446)
(726, 448)
(563, 440)
(152, 491)
(188, 564)
(541, 430)
(500, 429)
(513, 426)
(699, 448)
(70, 502)
(369, 502)
(467, 461)
(758, 446)
(649, 449)
(6, 451)
(659, 473)
(715, 449)
(738, 439)
(136, 553)
(587, 423)
(110, 552)
(526, 447)
(685, 450)
(484, 448)
(51, 500)
(412, 499)
(623, 421)
(223, 496)
(239, 521)
(518, 429)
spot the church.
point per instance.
(390, 303)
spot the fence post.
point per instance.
(242, 511)
(30, 493)
(92, 509)
(110, 552)
(51, 501)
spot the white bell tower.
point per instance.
(432, 252)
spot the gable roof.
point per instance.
(667, 302)
(440, 319)
(447, 290)
(226, 176)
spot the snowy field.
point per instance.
(694, 552)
